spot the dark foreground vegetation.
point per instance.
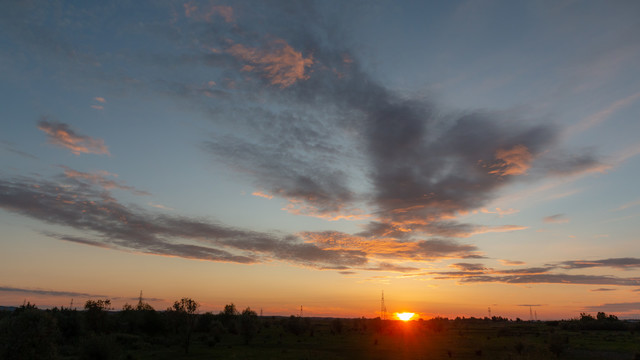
(140, 332)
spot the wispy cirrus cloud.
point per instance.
(603, 114)
(61, 134)
(618, 263)
(108, 223)
(9, 289)
(556, 219)
(553, 279)
(101, 178)
(615, 307)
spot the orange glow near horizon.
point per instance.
(404, 316)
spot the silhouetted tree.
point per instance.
(186, 309)
(96, 314)
(229, 318)
(28, 334)
(248, 324)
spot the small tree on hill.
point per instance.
(248, 324)
(186, 309)
(96, 314)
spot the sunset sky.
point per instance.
(459, 155)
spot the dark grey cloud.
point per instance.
(421, 164)
(347, 272)
(603, 289)
(618, 263)
(100, 178)
(615, 307)
(82, 207)
(556, 219)
(391, 267)
(9, 289)
(553, 279)
(531, 270)
(469, 267)
(436, 248)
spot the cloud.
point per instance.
(7, 146)
(159, 206)
(514, 161)
(100, 178)
(615, 307)
(60, 134)
(261, 194)
(350, 147)
(618, 263)
(347, 272)
(48, 292)
(627, 205)
(278, 62)
(500, 212)
(604, 114)
(97, 107)
(603, 289)
(100, 99)
(468, 267)
(392, 268)
(389, 248)
(552, 279)
(556, 219)
(108, 223)
(512, 262)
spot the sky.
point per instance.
(465, 157)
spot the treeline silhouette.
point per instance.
(100, 332)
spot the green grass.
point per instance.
(405, 341)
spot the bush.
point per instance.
(27, 334)
(99, 347)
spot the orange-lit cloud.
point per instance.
(512, 262)
(62, 135)
(261, 194)
(279, 63)
(100, 99)
(98, 107)
(513, 161)
(159, 206)
(392, 249)
(500, 212)
(100, 178)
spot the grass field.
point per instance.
(30, 333)
(394, 340)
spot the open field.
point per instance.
(29, 333)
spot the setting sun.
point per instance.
(405, 316)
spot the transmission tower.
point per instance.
(300, 310)
(383, 308)
(489, 312)
(531, 313)
(140, 300)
